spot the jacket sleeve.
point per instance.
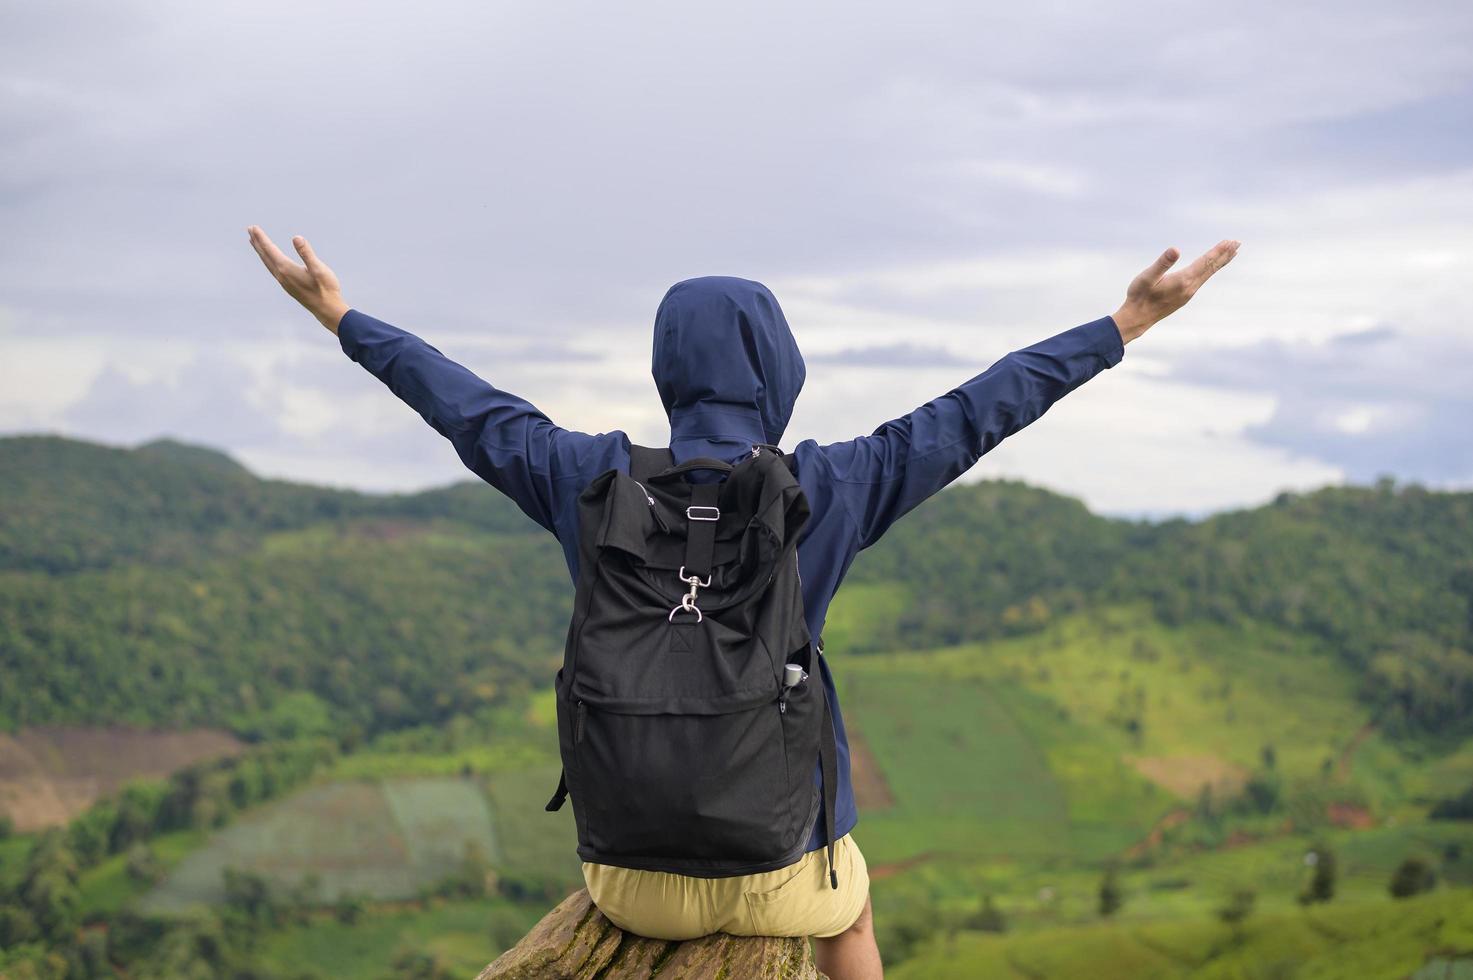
(881, 477)
(503, 439)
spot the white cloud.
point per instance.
(520, 185)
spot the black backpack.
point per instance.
(690, 710)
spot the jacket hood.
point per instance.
(726, 365)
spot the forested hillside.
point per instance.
(72, 505)
(1109, 741)
(167, 584)
(1383, 573)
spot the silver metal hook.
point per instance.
(688, 607)
(688, 601)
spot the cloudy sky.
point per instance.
(925, 187)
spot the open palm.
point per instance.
(313, 285)
(1153, 295)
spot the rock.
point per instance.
(575, 942)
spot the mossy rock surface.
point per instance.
(575, 942)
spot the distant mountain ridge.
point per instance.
(191, 454)
(166, 583)
(71, 504)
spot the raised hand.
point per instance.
(313, 285)
(1153, 295)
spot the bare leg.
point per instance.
(853, 953)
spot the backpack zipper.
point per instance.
(578, 723)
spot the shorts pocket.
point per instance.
(794, 907)
(805, 904)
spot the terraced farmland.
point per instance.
(1371, 941)
(386, 839)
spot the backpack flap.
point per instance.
(643, 645)
(682, 749)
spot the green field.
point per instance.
(457, 934)
(996, 789)
(1431, 933)
(966, 776)
(1184, 708)
(984, 760)
(107, 888)
(385, 839)
(1001, 790)
(867, 612)
(1200, 689)
(534, 842)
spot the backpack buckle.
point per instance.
(687, 604)
(693, 517)
(688, 601)
(694, 580)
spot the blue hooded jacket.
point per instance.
(729, 371)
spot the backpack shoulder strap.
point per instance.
(645, 462)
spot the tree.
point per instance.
(1263, 790)
(1321, 887)
(299, 898)
(903, 930)
(1111, 897)
(248, 895)
(194, 948)
(89, 958)
(1235, 911)
(137, 814)
(473, 879)
(506, 927)
(988, 918)
(349, 907)
(132, 936)
(530, 886)
(1458, 807)
(90, 833)
(413, 964)
(1412, 877)
(48, 888)
(143, 865)
(1207, 809)
(17, 926)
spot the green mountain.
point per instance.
(167, 584)
(164, 586)
(1383, 574)
(1041, 701)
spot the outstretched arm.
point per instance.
(503, 439)
(882, 476)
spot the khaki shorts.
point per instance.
(792, 901)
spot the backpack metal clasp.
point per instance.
(688, 601)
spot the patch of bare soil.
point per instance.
(1173, 819)
(879, 872)
(1184, 775)
(871, 791)
(50, 774)
(1350, 815)
(1347, 755)
(387, 529)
